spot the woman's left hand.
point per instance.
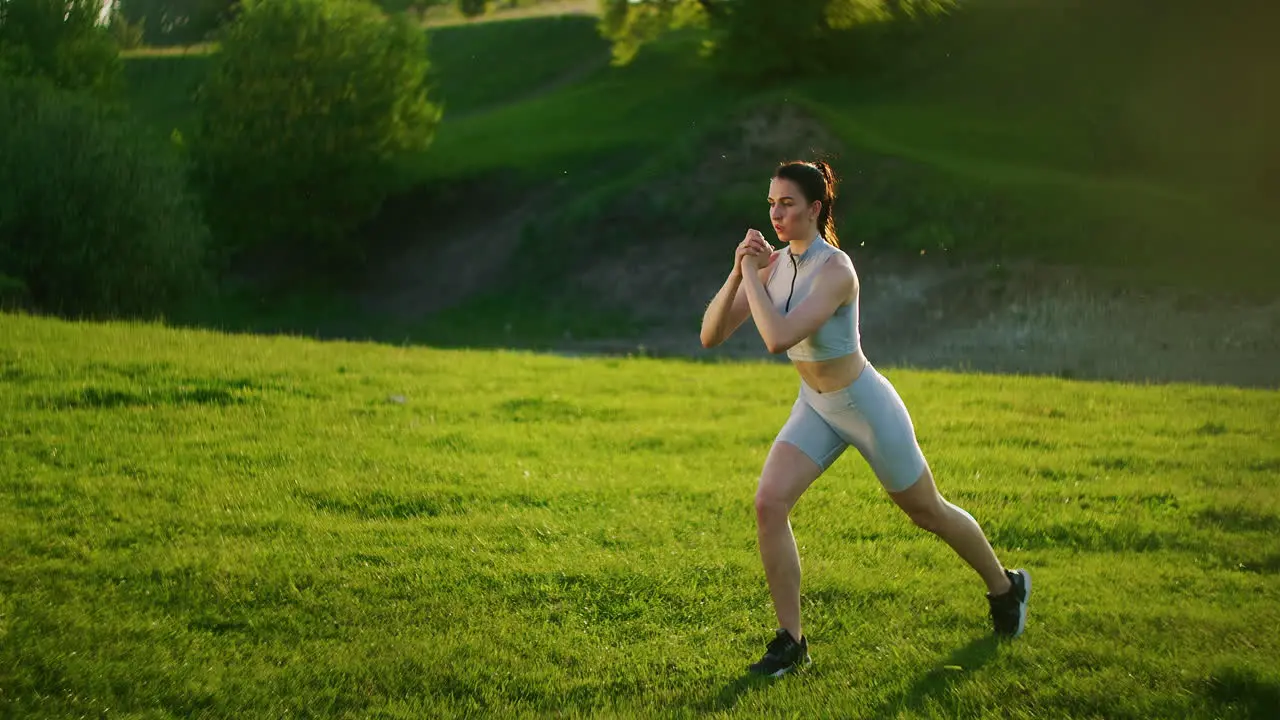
(756, 260)
(755, 251)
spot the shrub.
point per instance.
(128, 35)
(59, 41)
(473, 8)
(95, 218)
(304, 111)
(757, 40)
(176, 22)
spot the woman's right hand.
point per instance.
(753, 244)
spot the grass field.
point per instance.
(201, 525)
(469, 60)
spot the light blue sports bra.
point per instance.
(789, 284)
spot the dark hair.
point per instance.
(818, 183)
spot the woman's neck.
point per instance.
(801, 246)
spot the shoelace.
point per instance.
(777, 645)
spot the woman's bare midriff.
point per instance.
(830, 375)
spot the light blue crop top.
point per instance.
(789, 284)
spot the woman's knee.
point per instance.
(931, 516)
(923, 504)
(787, 473)
(769, 507)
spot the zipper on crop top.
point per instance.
(795, 270)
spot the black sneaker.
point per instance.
(1009, 611)
(783, 655)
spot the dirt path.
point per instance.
(573, 77)
(1033, 320)
(448, 16)
(430, 274)
(1028, 320)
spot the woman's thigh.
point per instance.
(804, 448)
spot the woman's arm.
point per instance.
(833, 286)
(729, 309)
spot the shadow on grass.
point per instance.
(730, 694)
(1243, 692)
(935, 683)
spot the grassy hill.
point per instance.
(194, 523)
(1072, 133)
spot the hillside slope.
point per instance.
(1007, 152)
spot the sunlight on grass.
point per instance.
(448, 15)
(208, 48)
(193, 523)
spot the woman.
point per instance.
(804, 301)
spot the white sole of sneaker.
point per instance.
(1022, 606)
(792, 668)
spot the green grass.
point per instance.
(629, 112)
(202, 525)
(490, 63)
(517, 317)
(474, 67)
(1037, 167)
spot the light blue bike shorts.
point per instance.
(870, 416)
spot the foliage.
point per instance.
(473, 8)
(177, 22)
(61, 42)
(95, 218)
(1009, 142)
(410, 6)
(128, 34)
(631, 25)
(756, 38)
(306, 107)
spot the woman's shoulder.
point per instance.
(838, 261)
(838, 267)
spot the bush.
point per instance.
(754, 41)
(758, 41)
(176, 22)
(128, 35)
(473, 8)
(95, 219)
(13, 293)
(307, 105)
(59, 41)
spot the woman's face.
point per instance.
(792, 216)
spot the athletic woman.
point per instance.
(804, 301)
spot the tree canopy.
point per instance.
(759, 36)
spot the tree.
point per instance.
(306, 108)
(473, 8)
(410, 6)
(759, 37)
(61, 42)
(631, 25)
(95, 217)
(178, 22)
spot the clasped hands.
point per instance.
(753, 253)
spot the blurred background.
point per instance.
(1085, 188)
